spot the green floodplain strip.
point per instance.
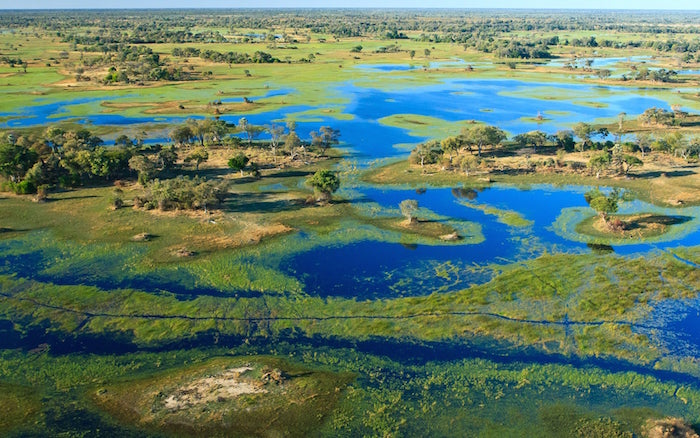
(382, 396)
(540, 303)
(506, 217)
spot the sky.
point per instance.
(518, 4)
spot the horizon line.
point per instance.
(435, 8)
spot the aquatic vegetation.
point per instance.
(511, 218)
(19, 405)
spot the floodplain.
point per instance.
(349, 223)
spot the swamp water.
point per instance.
(364, 265)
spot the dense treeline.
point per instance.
(186, 26)
(355, 22)
(259, 57)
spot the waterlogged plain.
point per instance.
(346, 320)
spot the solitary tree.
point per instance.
(621, 120)
(325, 183)
(238, 162)
(603, 204)
(408, 208)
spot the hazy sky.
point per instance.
(577, 4)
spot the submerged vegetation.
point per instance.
(349, 223)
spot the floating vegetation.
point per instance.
(506, 217)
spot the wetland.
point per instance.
(155, 283)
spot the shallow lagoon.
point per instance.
(373, 269)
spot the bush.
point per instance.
(21, 188)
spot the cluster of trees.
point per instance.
(140, 33)
(519, 49)
(216, 131)
(613, 156)
(614, 159)
(12, 62)
(183, 193)
(59, 158)
(656, 75)
(138, 63)
(258, 57)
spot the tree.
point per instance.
(426, 153)
(644, 141)
(603, 204)
(451, 145)
(55, 137)
(199, 129)
(565, 139)
(599, 162)
(630, 161)
(199, 155)
(252, 131)
(408, 208)
(276, 133)
(620, 121)
(166, 158)
(657, 116)
(143, 166)
(481, 135)
(532, 138)
(238, 162)
(583, 131)
(16, 160)
(329, 136)
(291, 143)
(325, 183)
(123, 140)
(467, 163)
(182, 135)
(603, 73)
